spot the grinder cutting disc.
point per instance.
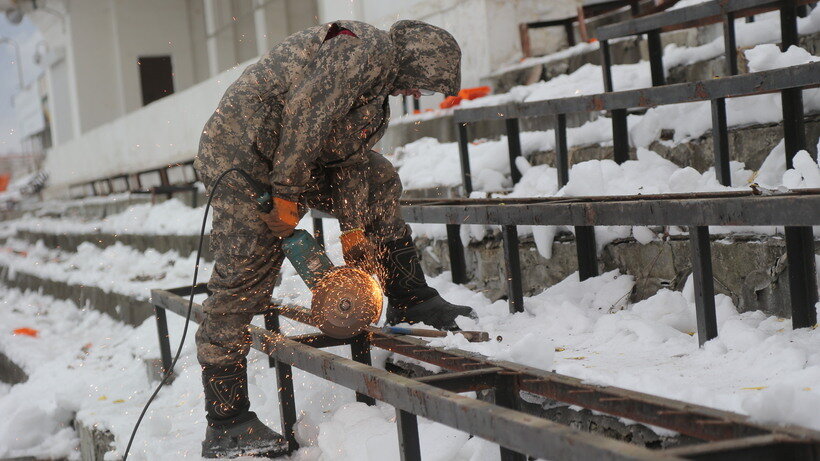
(345, 301)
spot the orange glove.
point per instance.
(284, 217)
(358, 251)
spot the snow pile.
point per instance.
(765, 29)
(757, 366)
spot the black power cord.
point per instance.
(264, 204)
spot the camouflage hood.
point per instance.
(429, 58)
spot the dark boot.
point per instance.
(410, 299)
(233, 430)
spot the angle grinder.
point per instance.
(345, 299)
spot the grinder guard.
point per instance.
(345, 299)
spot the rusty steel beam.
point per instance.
(696, 421)
(800, 76)
(509, 428)
(523, 433)
(464, 381)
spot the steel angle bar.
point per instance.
(800, 76)
(464, 381)
(509, 428)
(534, 436)
(771, 447)
(794, 210)
(691, 419)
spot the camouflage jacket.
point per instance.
(318, 101)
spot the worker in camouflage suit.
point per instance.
(302, 122)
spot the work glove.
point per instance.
(284, 217)
(358, 250)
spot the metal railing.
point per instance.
(796, 210)
(788, 81)
(714, 433)
(712, 12)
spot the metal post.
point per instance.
(793, 125)
(319, 231)
(284, 381)
(788, 25)
(360, 352)
(514, 147)
(458, 264)
(653, 40)
(506, 395)
(570, 32)
(524, 34)
(512, 266)
(606, 65)
(561, 150)
(586, 251)
(802, 278)
(620, 136)
(404, 105)
(720, 139)
(464, 156)
(164, 340)
(416, 105)
(408, 427)
(704, 285)
(730, 44)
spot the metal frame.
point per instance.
(436, 398)
(712, 12)
(789, 81)
(797, 210)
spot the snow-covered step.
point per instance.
(750, 269)
(749, 144)
(118, 306)
(182, 244)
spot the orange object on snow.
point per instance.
(474, 93)
(450, 101)
(26, 332)
(4, 181)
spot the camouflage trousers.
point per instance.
(247, 258)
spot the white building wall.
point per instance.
(151, 28)
(92, 63)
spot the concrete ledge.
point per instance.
(182, 244)
(94, 442)
(747, 144)
(749, 269)
(118, 306)
(10, 372)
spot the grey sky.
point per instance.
(25, 34)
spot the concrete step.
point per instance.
(182, 244)
(748, 144)
(118, 306)
(749, 269)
